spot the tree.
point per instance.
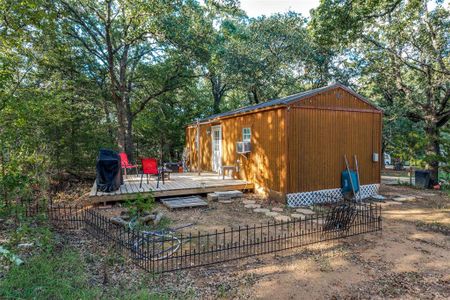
(402, 49)
(135, 44)
(276, 57)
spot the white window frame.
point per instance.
(246, 137)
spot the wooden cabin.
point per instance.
(293, 148)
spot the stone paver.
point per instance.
(305, 211)
(252, 206)
(390, 203)
(272, 214)
(378, 197)
(298, 216)
(228, 201)
(261, 210)
(318, 221)
(282, 218)
(402, 198)
(248, 201)
(278, 209)
(428, 194)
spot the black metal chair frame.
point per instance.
(160, 174)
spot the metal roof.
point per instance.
(284, 101)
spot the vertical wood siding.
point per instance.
(319, 137)
(265, 165)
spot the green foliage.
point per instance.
(74, 79)
(400, 51)
(48, 277)
(136, 207)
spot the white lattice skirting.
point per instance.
(331, 195)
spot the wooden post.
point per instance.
(199, 153)
(411, 170)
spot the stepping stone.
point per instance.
(278, 209)
(392, 203)
(212, 197)
(298, 216)
(228, 201)
(402, 198)
(261, 210)
(318, 221)
(229, 194)
(282, 218)
(252, 206)
(248, 201)
(272, 214)
(427, 194)
(305, 211)
(378, 197)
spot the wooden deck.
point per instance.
(179, 184)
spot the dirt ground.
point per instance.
(216, 216)
(409, 259)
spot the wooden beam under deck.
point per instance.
(179, 185)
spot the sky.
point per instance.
(255, 8)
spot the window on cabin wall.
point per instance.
(246, 134)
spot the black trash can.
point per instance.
(423, 179)
(109, 172)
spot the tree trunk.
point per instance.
(122, 125)
(216, 104)
(255, 96)
(217, 90)
(433, 150)
(129, 141)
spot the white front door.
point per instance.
(216, 134)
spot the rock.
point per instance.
(297, 216)
(305, 211)
(248, 201)
(402, 198)
(125, 217)
(124, 212)
(146, 213)
(119, 221)
(25, 245)
(226, 201)
(271, 214)
(378, 197)
(261, 210)
(147, 218)
(252, 206)
(282, 218)
(158, 218)
(278, 209)
(212, 197)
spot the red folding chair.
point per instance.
(125, 164)
(150, 167)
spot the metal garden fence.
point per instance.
(165, 251)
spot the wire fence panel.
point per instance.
(159, 251)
